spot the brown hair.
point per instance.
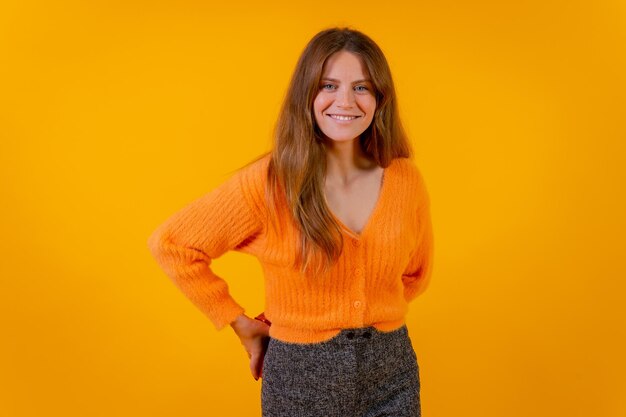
(298, 163)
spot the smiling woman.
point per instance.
(339, 217)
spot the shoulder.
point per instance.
(408, 171)
(410, 181)
(257, 166)
(252, 180)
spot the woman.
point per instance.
(338, 216)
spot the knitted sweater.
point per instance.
(378, 273)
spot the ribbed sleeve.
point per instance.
(416, 277)
(187, 242)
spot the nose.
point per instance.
(345, 97)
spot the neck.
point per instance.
(346, 160)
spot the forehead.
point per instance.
(344, 64)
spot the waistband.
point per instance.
(308, 336)
(366, 333)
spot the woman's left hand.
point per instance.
(254, 336)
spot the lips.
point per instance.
(343, 117)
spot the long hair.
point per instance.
(297, 166)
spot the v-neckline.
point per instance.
(377, 207)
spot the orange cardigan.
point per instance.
(378, 273)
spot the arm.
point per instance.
(186, 243)
(417, 274)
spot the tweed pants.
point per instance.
(360, 372)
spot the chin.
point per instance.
(343, 138)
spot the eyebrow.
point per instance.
(354, 82)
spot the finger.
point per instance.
(263, 353)
(261, 370)
(253, 367)
(259, 365)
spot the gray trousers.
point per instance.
(360, 372)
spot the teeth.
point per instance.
(336, 116)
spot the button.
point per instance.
(367, 335)
(350, 335)
(356, 304)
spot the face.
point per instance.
(345, 102)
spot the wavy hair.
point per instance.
(297, 166)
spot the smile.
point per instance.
(343, 118)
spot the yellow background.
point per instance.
(114, 114)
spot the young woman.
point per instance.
(339, 217)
